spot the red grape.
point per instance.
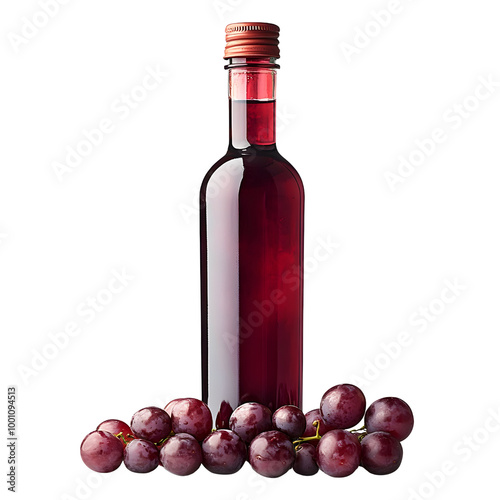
(390, 415)
(338, 453)
(181, 454)
(170, 405)
(151, 423)
(342, 406)
(305, 463)
(381, 453)
(192, 416)
(271, 454)
(117, 427)
(141, 456)
(250, 419)
(101, 451)
(290, 420)
(180, 437)
(223, 452)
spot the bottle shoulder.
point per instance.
(252, 164)
(293, 171)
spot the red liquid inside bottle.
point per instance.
(252, 230)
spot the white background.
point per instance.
(344, 122)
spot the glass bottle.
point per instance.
(252, 231)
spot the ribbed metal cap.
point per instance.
(252, 40)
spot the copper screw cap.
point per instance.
(252, 40)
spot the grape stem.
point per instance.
(360, 433)
(301, 440)
(121, 437)
(160, 443)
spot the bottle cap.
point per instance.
(252, 40)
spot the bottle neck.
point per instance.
(252, 103)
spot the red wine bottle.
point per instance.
(252, 243)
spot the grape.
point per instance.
(151, 423)
(305, 464)
(141, 456)
(381, 453)
(271, 454)
(250, 419)
(223, 452)
(390, 415)
(342, 406)
(181, 454)
(192, 416)
(117, 427)
(338, 453)
(312, 416)
(101, 451)
(223, 416)
(170, 405)
(290, 420)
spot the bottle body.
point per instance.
(252, 233)
(252, 223)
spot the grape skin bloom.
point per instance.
(250, 419)
(101, 451)
(151, 423)
(141, 456)
(381, 453)
(271, 454)
(305, 463)
(390, 415)
(192, 416)
(181, 454)
(290, 420)
(338, 453)
(223, 452)
(343, 406)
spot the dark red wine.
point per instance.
(252, 228)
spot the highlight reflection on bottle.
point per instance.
(252, 232)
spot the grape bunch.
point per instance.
(180, 437)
